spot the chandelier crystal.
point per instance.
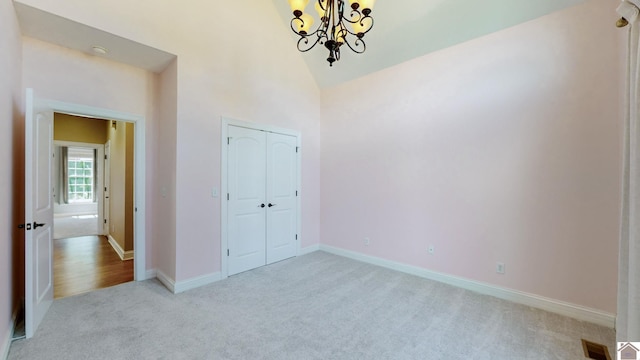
(337, 25)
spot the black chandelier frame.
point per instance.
(333, 31)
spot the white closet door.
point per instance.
(281, 196)
(246, 205)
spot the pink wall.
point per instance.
(246, 76)
(10, 139)
(164, 239)
(505, 148)
(62, 74)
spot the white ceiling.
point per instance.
(404, 29)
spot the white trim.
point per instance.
(224, 186)
(124, 255)
(139, 179)
(151, 274)
(196, 282)
(575, 311)
(309, 249)
(177, 287)
(168, 282)
(299, 199)
(6, 342)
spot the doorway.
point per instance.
(39, 198)
(93, 241)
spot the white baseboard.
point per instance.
(168, 282)
(124, 255)
(575, 311)
(177, 287)
(6, 342)
(150, 274)
(193, 283)
(309, 249)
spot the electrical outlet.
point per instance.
(367, 241)
(500, 268)
(431, 249)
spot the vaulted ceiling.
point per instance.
(404, 29)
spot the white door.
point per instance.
(282, 165)
(38, 212)
(246, 199)
(107, 188)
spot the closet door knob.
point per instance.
(271, 205)
(261, 205)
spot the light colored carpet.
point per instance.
(317, 306)
(67, 226)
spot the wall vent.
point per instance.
(595, 351)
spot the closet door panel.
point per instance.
(246, 187)
(281, 196)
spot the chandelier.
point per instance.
(337, 27)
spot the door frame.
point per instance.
(139, 178)
(106, 194)
(224, 240)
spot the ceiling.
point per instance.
(57, 30)
(404, 29)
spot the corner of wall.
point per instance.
(12, 174)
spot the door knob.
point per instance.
(272, 205)
(261, 205)
(36, 225)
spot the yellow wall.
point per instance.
(121, 179)
(79, 129)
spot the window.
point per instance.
(80, 175)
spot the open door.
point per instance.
(38, 212)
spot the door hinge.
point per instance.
(296, 192)
(227, 196)
(105, 221)
(227, 252)
(228, 141)
(296, 236)
(297, 148)
(105, 157)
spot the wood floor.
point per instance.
(87, 263)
